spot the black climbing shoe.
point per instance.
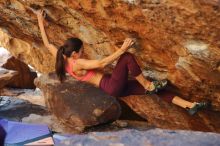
(198, 106)
(158, 86)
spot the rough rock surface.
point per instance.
(6, 76)
(25, 75)
(24, 78)
(161, 114)
(16, 109)
(77, 104)
(34, 96)
(153, 137)
(4, 55)
(176, 39)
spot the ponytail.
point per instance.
(60, 64)
(70, 45)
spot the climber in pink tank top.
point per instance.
(86, 77)
(70, 59)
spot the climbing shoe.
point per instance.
(198, 106)
(158, 85)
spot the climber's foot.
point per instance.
(158, 85)
(198, 106)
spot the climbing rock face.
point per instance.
(25, 75)
(6, 76)
(77, 104)
(24, 78)
(175, 39)
(161, 114)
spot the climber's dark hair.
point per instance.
(70, 45)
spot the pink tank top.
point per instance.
(87, 76)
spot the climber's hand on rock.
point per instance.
(127, 44)
(41, 14)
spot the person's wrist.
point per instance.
(123, 49)
(40, 18)
(41, 21)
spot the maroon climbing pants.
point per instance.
(118, 85)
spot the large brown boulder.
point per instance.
(6, 76)
(25, 75)
(24, 78)
(77, 104)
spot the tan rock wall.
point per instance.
(176, 39)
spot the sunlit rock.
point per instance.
(175, 39)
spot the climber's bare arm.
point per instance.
(93, 64)
(40, 16)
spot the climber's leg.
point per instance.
(192, 107)
(115, 84)
(133, 87)
(182, 103)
